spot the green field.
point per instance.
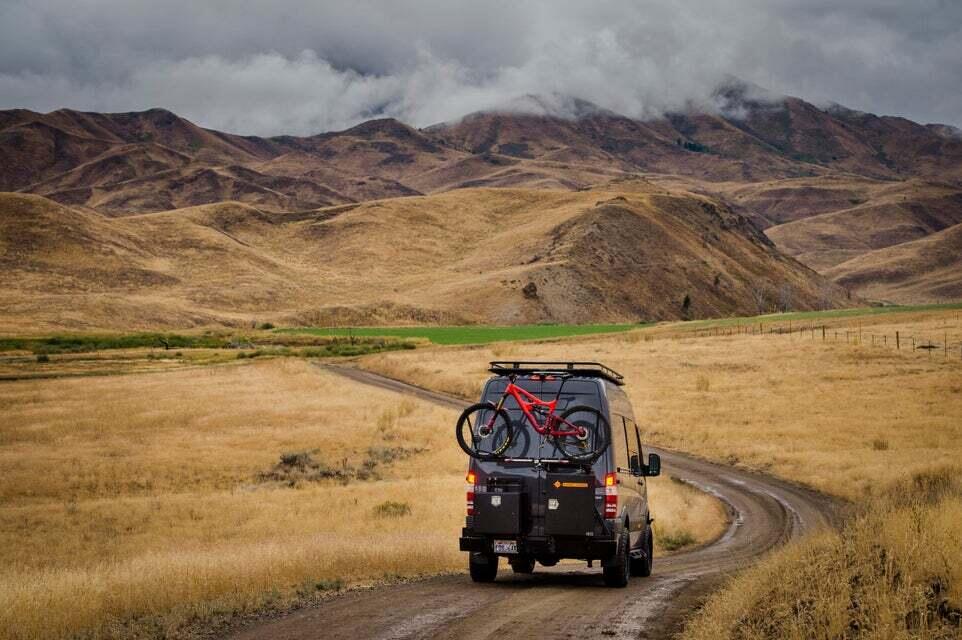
(474, 334)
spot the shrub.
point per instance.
(676, 540)
(391, 509)
(702, 384)
(43, 357)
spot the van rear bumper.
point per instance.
(558, 547)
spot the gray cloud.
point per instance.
(301, 66)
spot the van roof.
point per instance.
(583, 369)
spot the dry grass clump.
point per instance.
(894, 572)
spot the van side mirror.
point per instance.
(654, 465)
(635, 464)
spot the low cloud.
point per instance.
(302, 67)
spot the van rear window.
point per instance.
(526, 442)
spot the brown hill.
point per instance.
(624, 252)
(925, 270)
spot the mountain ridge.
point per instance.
(780, 162)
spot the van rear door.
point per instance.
(538, 483)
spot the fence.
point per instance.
(898, 340)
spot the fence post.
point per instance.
(945, 346)
(898, 346)
(823, 333)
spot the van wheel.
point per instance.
(616, 574)
(641, 567)
(522, 564)
(483, 568)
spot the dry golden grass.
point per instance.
(802, 409)
(133, 504)
(894, 572)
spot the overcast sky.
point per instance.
(305, 66)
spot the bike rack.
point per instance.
(528, 367)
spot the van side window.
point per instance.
(619, 440)
(624, 423)
(631, 438)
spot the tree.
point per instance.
(759, 295)
(786, 297)
(686, 308)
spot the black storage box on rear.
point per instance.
(498, 513)
(570, 508)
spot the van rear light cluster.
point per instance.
(470, 479)
(611, 495)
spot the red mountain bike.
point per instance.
(485, 430)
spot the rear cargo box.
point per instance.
(498, 513)
(570, 508)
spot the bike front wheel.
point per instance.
(592, 438)
(484, 431)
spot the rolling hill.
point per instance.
(928, 269)
(621, 252)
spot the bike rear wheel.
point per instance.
(593, 439)
(484, 431)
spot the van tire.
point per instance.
(522, 564)
(641, 567)
(483, 568)
(616, 574)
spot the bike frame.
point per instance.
(527, 401)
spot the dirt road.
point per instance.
(569, 601)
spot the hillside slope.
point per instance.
(889, 214)
(624, 252)
(925, 270)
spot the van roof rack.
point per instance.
(586, 369)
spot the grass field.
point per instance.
(473, 334)
(131, 506)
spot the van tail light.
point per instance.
(470, 479)
(611, 495)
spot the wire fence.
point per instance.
(942, 346)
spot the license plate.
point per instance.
(506, 546)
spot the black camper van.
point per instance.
(533, 502)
